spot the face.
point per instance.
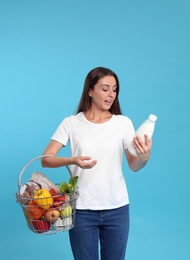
(104, 93)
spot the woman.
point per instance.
(98, 136)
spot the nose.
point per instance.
(111, 93)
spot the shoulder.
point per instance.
(122, 119)
(73, 119)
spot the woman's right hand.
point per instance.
(84, 162)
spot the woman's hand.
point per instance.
(143, 151)
(143, 147)
(84, 162)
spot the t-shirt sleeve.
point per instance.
(129, 133)
(61, 134)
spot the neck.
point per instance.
(97, 116)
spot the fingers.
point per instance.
(148, 142)
(90, 164)
(85, 162)
(86, 158)
(139, 143)
(143, 147)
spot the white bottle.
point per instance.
(147, 127)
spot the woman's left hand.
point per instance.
(143, 147)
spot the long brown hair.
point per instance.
(91, 80)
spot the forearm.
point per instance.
(56, 161)
(136, 164)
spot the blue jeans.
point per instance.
(110, 228)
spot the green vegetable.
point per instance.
(73, 181)
(69, 187)
(63, 187)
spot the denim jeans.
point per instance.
(107, 228)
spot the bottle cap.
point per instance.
(152, 117)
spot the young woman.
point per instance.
(99, 135)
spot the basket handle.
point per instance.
(31, 161)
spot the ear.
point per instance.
(90, 93)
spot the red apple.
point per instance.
(52, 214)
(41, 226)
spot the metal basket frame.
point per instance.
(64, 223)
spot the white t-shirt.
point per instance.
(103, 186)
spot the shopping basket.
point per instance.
(49, 214)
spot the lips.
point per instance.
(108, 102)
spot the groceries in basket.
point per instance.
(48, 208)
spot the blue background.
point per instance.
(46, 50)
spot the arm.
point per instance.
(143, 150)
(58, 161)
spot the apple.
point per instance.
(41, 226)
(66, 212)
(52, 214)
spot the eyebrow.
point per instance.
(107, 85)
